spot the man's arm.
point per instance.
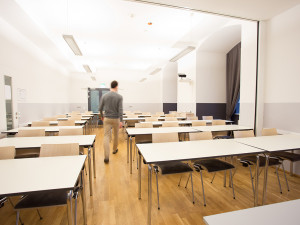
(121, 111)
(101, 107)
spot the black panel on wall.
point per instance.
(217, 110)
(169, 107)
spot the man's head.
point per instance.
(114, 85)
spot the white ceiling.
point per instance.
(248, 9)
(113, 35)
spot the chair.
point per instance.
(66, 123)
(170, 115)
(198, 123)
(49, 119)
(146, 113)
(69, 132)
(53, 197)
(88, 112)
(207, 117)
(211, 165)
(170, 167)
(74, 117)
(40, 124)
(151, 119)
(248, 161)
(142, 139)
(143, 125)
(29, 152)
(171, 119)
(60, 116)
(170, 124)
(160, 113)
(192, 118)
(290, 156)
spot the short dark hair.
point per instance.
(114, 84)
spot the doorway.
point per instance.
(8, 102)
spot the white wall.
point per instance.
(169, 83)
(186, 95)
(248, 73)
(47, 88)
(211, 77)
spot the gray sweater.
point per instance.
(112, 104)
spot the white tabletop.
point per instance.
(188, 150)
(222, 128)
(286, 213)
(47, 129)
(36, 142)
(273, 143)
(137, 118)
(140, 131)
(181, 122)
(21, 176)
(80, 122)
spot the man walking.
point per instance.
(112, 104)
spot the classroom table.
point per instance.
(132, 132)
(48, 129)
(31, 175)
(181, 122)
(36, 142)
(159, 118)
(77, 123)
(276, 214)
(215, 128)
(271, 144)
(187, 150)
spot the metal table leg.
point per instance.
(256, 181)
(83, 198)
(149, 193)
(130, 155)
(90, 171)
(140, 177)
(265, 180)
(94, 160)
(127, 148)
(69, 208)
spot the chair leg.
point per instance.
(157, 190)
(287, 184)
(232, 184)
(75, 208)
(179, 181)
(202, 188)
(18, 217)
(134, 152)
(278, 180)
(251, 177)
(191, 175)
(212, 180)
(39, 214)
(225, 176)
(187, 181)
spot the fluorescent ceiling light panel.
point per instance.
(142, 80)
(87, 68)
(183, 53)
(72, 44)
(155, 71)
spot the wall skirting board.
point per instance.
(217, 110)
(167, 107)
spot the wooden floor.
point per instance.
(115, 198)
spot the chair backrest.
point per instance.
(146, 113)
(165, 137)
(143, 125)
(68, 132)
(49, 119)
(218, 122)
(160, 113)
(170, 124)
(148, 119)
(170, 115)
(31, 133)
(40, 123)
(172, 112)
(189, 114)
(207, 135)
(182, 114)
(74, 118)
(198, 123)
(132, 116)
(269, 132)
(60, 116)
(66, 123)
(49, 150)
(7, 152)
(192, 118)
(88, 112)
(243, 133)
(171, 119)
(207, 117)
(75, 112)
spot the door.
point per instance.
(94, 99)
(8, 102)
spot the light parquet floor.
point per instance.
(115, 200)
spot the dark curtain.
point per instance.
(232, 79)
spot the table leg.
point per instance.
(265, 180)
(130, 155)
(83, 198)
(69, 208)
(140, 176)
(127, 148)
(292, 167)
(94, 159)
(256, 181)
(149, 193)
(90, 171)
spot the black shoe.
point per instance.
(115, 152)
(106, 161)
